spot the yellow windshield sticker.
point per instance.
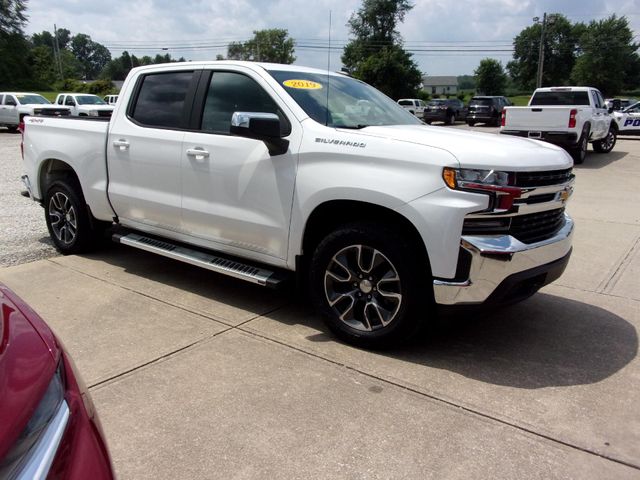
(302, 84)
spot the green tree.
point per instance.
(376, 55)
(608, 56)
(93, 56)
(560, 42)
(12, 16)
(490, 77)
(271, 45)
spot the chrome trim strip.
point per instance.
(496, 257)
(42, 454)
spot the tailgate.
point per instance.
(537, 118)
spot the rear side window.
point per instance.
(161, 100)
(560, 98)
(406, 103)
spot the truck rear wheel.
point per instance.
(579, 152)
(70, 225)
(366, 282)
(607, 143)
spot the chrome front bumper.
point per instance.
(496, 258)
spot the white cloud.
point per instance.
(144, 27)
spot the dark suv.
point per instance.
(486, 110)
(444, 110)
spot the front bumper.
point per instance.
(438, 116)
(503, 269)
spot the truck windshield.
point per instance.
(32, 100)
(351, 103)
(89, 100)
(560, 98)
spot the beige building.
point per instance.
(440, 85)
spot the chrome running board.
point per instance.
(225, 266)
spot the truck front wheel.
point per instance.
(607, 143)
(367, 283)
(68, 219)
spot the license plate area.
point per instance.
(535, 134)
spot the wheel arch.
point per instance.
(53, 168)
(329, 215)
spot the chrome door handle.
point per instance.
(121, 144)
(198, 153)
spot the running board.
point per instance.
(225, 266)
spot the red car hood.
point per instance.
(29, 355)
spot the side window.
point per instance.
(69, 101)
(600, 99)
(59, 101)
(1, 99)
(161, 100)
(596, 101)
(234, 92)
(9, 100)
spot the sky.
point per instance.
(447, 37)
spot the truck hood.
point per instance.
(479, 150)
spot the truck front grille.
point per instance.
(542, 179)
(530, 228)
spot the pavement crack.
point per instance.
(622, 266)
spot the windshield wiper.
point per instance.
(360, 126)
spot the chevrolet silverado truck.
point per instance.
(85, 104)
(570, 117)
(14, 106)
(265, 172)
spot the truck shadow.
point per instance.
(597, 160)
(546, 341)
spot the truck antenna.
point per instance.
(328, 69)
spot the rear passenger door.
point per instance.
(236, 196)
(144, 150)
(600, 116)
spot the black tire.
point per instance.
(451, 119)
(12, 128)
(71, 226)
(579, 152)
(375, 256)
(607, 143)
(471, 124)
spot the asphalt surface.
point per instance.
(196, 375)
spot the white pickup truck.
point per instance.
(85, 104)
(567, 116)
(260, 171)
(14, 106)
(413, 105)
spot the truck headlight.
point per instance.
(497, 184)
(471, 179)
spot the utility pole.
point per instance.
(56, 51)
(541, 52)
(550, 20)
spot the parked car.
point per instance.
(85, 105)
(570, 117)
(14, 106)
(444, 110)
(616, 104)
(628, 120)
(49, 427)
(245, 169)
(486, 109)
(111, 99)
(414, 105)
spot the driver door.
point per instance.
(235, 195)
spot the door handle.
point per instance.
(198, 153)
(121, 144)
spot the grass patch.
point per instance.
(520, 100)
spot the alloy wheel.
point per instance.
(363, 288)
(64, 221)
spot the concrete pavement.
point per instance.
(196, 375)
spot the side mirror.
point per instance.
(611, 109)
(260, 126)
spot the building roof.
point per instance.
(433, 81)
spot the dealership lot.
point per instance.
(196, 375)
